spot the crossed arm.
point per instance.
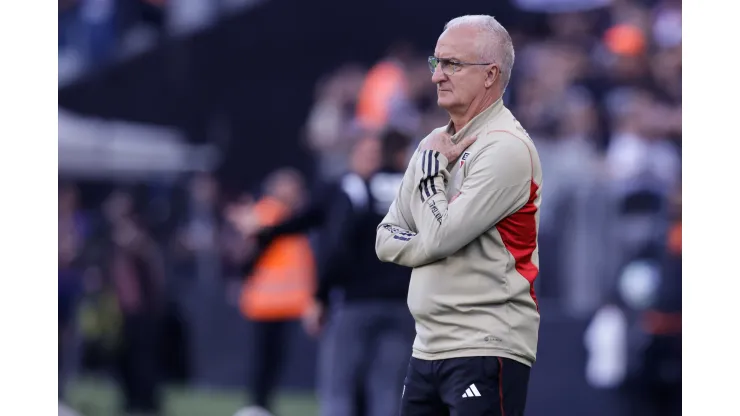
(422, 227)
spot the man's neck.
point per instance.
(461, 119)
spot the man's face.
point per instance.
(458, 90)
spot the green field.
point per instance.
(100, 398)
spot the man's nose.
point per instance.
(438, 75)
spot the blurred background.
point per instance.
(177, 117)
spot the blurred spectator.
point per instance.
(329, 126)
(352, 102)
(572, 223)
(196, 269)
(575, 28)
(72, 235)
(134, 267)
(412, 110)
(197, 253)
(385, 89)
(70, 291)
(659, 385)
(666, 28)
(368, 340)
(73, 224)
(278, 289)
(634, 341)
(636, 148)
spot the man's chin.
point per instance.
(444, 102)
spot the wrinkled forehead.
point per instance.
(459, 43)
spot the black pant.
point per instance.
(467, 386)
(138, 364)
(269, 355)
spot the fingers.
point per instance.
(437, 141)
(442, 142)
(459, 147)
(312, 325)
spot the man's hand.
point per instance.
(442, 143)
(243, 218)
(314, 319)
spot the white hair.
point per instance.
(494, 41)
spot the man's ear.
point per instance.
(491, 75)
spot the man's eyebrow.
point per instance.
(452, 58)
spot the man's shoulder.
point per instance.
(499, 145)
(504, 127)
(504, 135)
(504, 141)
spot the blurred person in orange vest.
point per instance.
(279, 283)
(385, 84)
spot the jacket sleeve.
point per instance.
(313, 216)
(396, 240)
(332, 255)
(498, 184)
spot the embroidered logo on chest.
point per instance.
(464, 158)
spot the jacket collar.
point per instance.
(477, 123)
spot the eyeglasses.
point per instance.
(450, 66)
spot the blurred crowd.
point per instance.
(598, 90)
(94, 33)
(597, 85)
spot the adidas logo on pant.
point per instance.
(471, 391)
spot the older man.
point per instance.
(465, 219)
